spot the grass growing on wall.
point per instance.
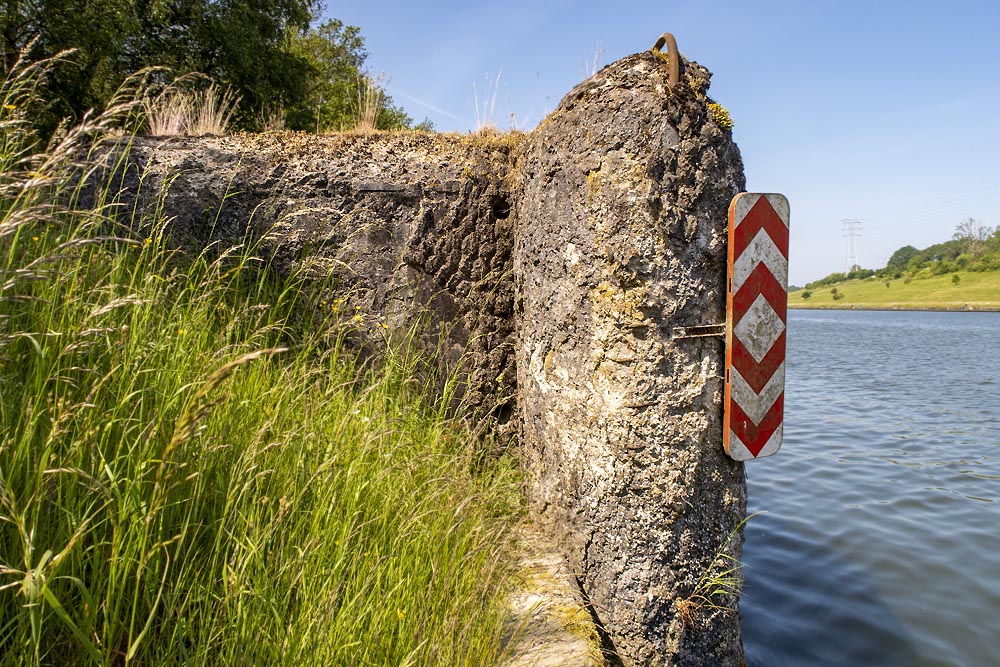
(191, 474)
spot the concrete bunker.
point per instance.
(553, 267)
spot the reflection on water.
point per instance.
(832, 598)
(881, 538)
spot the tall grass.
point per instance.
(194, 472)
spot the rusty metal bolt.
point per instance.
(673, 58)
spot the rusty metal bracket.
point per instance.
(700, 331)
(673, 58)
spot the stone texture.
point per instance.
(621, 236)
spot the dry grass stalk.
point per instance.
(167, 114)
(592, 66)
(212, 111)
(484, 118)
(271, 120)
(687, 609)
(176, 112)
(369, 102)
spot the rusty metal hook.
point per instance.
(673, 58)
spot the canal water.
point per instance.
(879, 539)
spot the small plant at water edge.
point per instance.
(720, 582)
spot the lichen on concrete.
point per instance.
(549, 625)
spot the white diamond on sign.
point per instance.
(759, 328)
(756, 315)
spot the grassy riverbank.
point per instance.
(974, 290)
(194, 472)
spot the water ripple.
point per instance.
(880, 539)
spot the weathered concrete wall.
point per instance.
(556, 265)
(621, 237)
(400, 228)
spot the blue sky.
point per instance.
(882, 111)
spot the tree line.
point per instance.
(277, 56)
(973, 247)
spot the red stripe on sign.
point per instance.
(757, 375)
(760, 281)
(755, 436)
(761, 216)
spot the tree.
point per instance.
(242, 44)
(98, 31)
(972, 234)
(899, 259)
(334, 55)
(336, 83)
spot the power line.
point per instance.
(852, 229)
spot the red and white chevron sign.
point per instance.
(756, 314)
